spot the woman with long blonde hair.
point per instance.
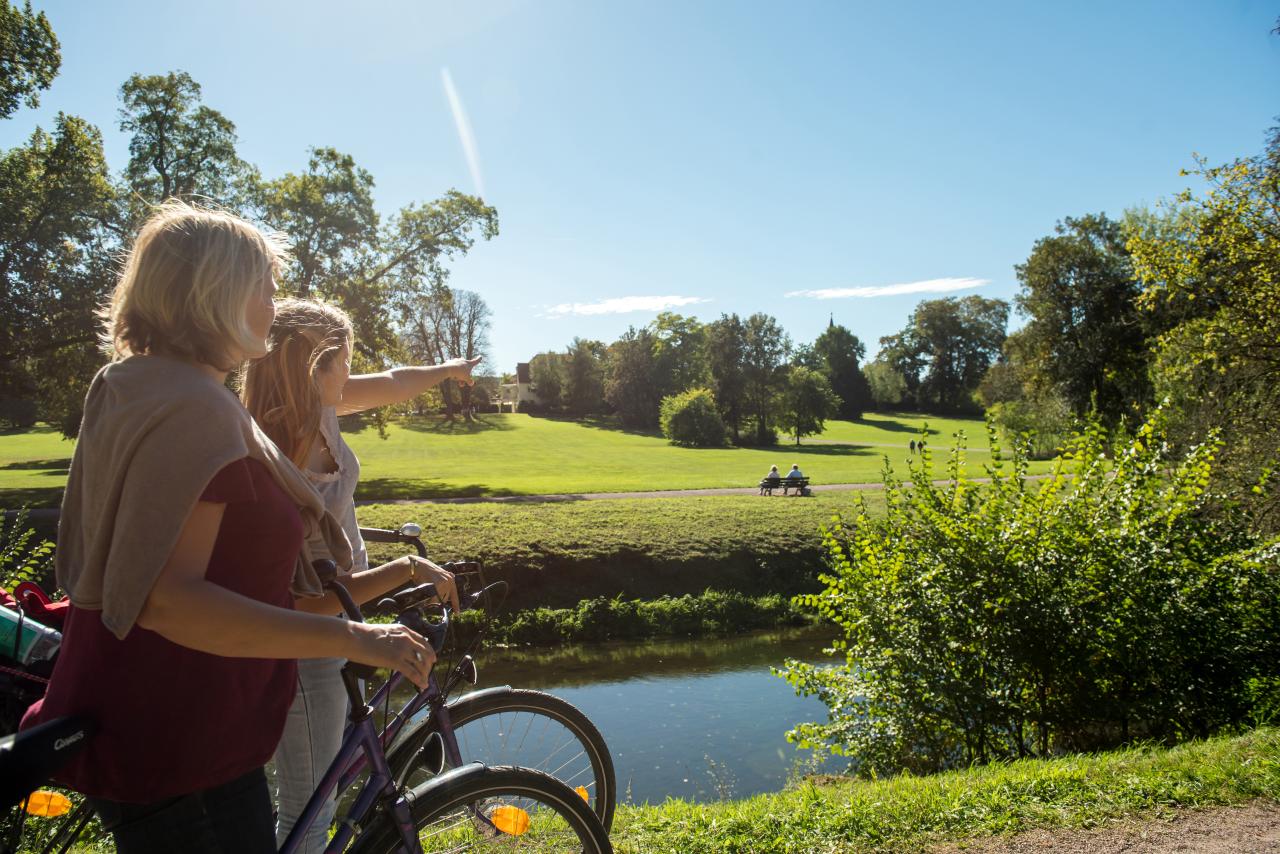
(183, 545)
(295, 394)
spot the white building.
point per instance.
(518, 392)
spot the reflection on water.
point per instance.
(694, 719)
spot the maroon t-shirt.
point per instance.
(172, 720)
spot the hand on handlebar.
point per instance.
(395, 647)
(446, 585)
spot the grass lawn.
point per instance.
(522, 455)
(908, 813)
(885, 429)
(33, 466)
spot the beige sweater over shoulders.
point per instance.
(155, 432)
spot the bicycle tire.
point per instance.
(543, 722)
(461, 810)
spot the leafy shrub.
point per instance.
(1043, 422)
(17, 414)
(1097, 606)
(601, 618)
(690, 418)
(23, 556)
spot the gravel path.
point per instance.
(1253, 828)
(666, 493)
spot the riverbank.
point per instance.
(709, 614)
(970, 808)
(555, 555)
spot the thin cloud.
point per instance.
(928, 286)
(463, 124)
(622, 305)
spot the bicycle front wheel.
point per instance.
(528, 729)
(482, 809)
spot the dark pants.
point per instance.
(234, 818)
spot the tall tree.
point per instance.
(410, 262)
(887, 384)
(807, 401)
(584, 377)
(630, 384)
(55, 267)
(726, 362)
(765, 350)
(945, 350)
(546, 372)
(328, 213)
(679, 353)
(29, 57)
(178, 146)
(449, 324)
(1085, 335)
(1212, 266)
(837, 352)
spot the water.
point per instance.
(694, 719)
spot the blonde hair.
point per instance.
(281, 390)
(185, 283)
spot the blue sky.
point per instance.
(796, 159)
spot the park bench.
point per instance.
(799, 484)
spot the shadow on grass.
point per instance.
(441, 426)
(824, 450)
(53, 467)
(410, 489)
(36, 496)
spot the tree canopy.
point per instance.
(29, 57)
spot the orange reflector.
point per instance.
(48, 804)
(512, 821)
(582, 793)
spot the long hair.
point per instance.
(281, 390)
(184, 285)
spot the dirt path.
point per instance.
(666, 493)
(1253, 828)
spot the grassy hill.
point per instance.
(522, 455)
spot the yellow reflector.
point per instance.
(48, 804)
(512, 821)
(582, 793)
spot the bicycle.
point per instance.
(500, 725)
(470, 807)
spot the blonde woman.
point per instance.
(182, 547)
(295, 394)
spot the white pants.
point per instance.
(312, 737)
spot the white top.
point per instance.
(338, 488)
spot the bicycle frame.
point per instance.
(361, 746)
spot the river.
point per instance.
(696, 719)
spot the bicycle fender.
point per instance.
(482, 694)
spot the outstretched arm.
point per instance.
(368, 391)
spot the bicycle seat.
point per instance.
(29, 758)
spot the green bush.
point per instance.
(607, 619)
(691, 419)
(24, 555)
(17, 413)
(1098, 606)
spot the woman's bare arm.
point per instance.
(369, 391)
(191, 611)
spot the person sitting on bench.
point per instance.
(794, 474)
(769, 481)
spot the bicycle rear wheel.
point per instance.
(528, 729)
(481, 809)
